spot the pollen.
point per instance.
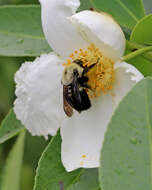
(83, 156)
(101, 76)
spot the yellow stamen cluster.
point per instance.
(101, 76)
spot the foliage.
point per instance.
(10, 127)
(127, 13)
(11, 176)
(130, 127)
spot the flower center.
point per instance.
(101, 76)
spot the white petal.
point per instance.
(60, 33)
(126, 76)
(102, 30)
(83, 134)
(39, 95)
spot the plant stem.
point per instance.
(132, 46)
(137, 53)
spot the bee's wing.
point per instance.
(78, 98)
(67, 108)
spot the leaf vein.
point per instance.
(127, 10)
(22, 35)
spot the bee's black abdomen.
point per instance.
(83, 103)
(79, 100)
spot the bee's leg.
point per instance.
(82, 80)
(85, 85)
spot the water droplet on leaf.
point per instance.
(117, 171)
(131, 171)
(133, 140)
(20, 41)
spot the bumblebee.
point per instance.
(75, 83)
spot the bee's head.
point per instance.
(69, 72)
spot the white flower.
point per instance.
(90, 36)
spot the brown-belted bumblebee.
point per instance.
(75, 83)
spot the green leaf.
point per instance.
(126, 158)
(126, 12)
(50, 172)
(142, 33)
(8, 67)
(85, 5)
(11, 176)
(10, 127)
(21, 32)
(27, 175)
(88, 181)
(143, 65)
